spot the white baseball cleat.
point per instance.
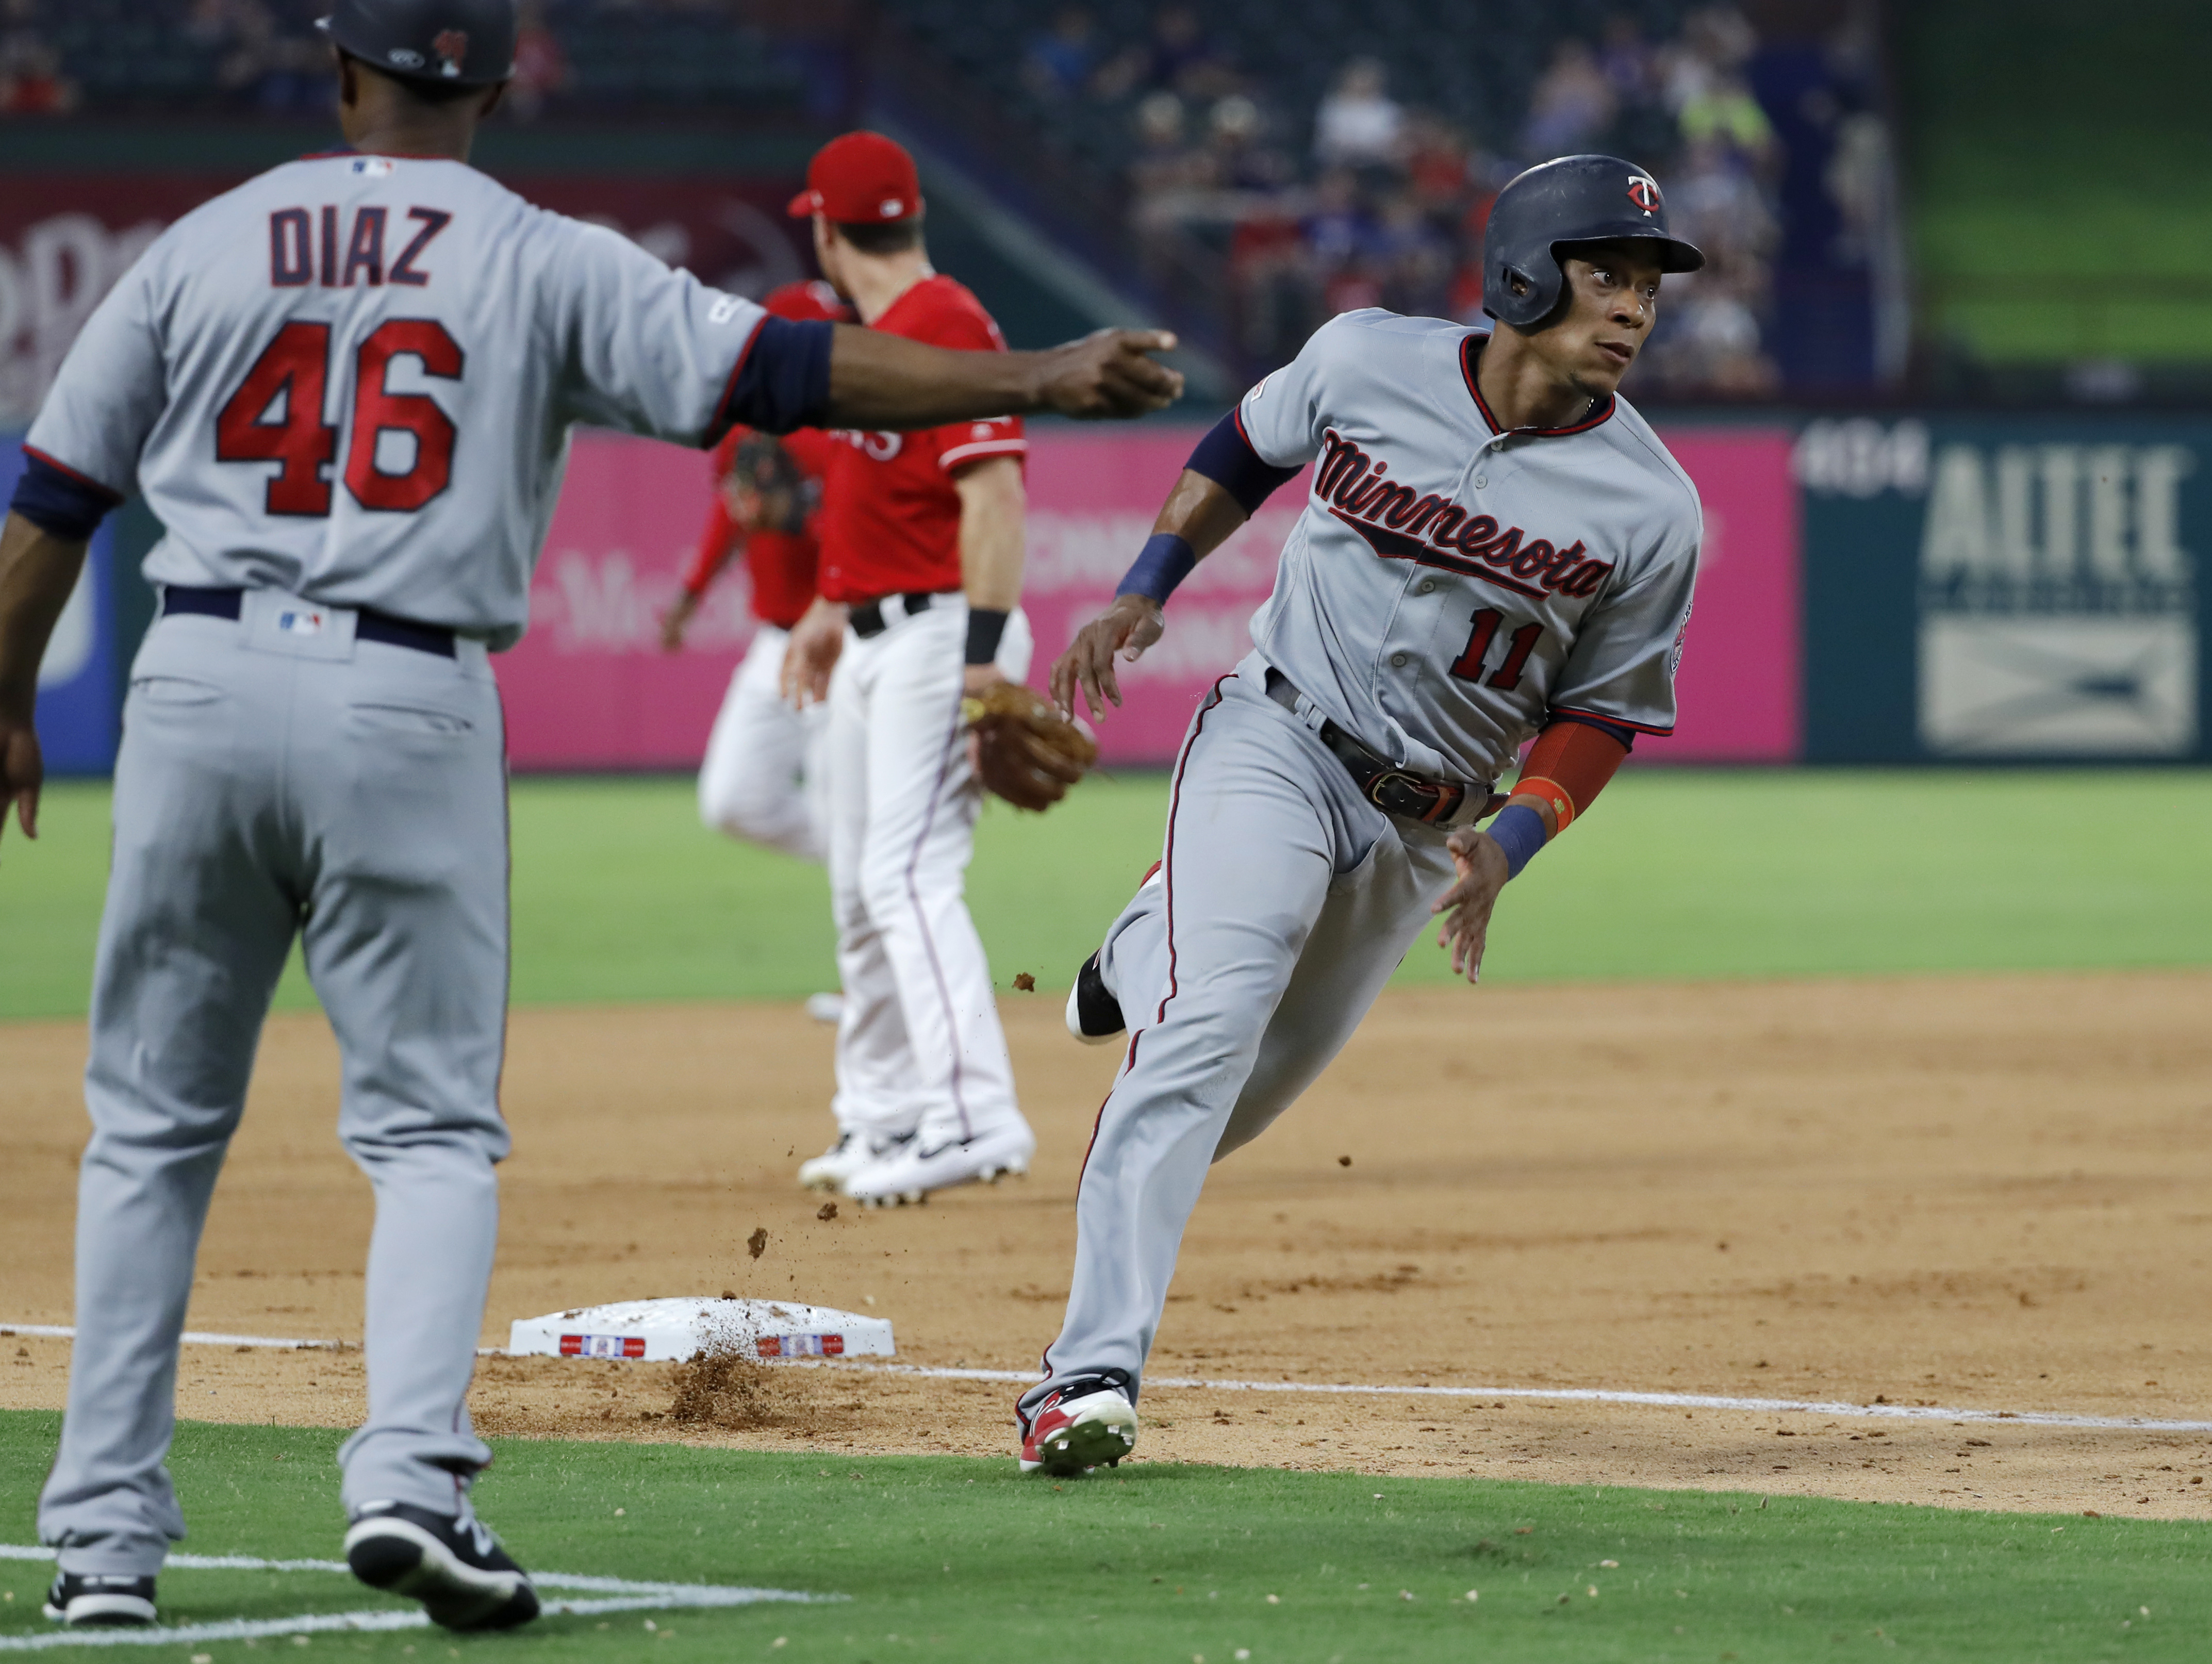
(851, 1153)
(1085, 1423)
(827, 1008)
(910, 1173)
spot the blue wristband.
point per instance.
(1166, 562)
(1519, 831)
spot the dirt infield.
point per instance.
(1991, 1193)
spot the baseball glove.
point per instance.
(764, 470)
(1025, 751)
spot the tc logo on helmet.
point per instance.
(1644, 192)
(451, 46)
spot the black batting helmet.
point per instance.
(1575, 199)
(454, 43)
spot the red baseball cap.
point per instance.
(860, 179)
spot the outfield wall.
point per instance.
(1899, 589)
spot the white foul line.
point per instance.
(1363, 1390)
(619, 1595)
(190, 1337)
(1573, 1396)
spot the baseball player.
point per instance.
(761, 780)
(346, 389)
(1494, 545)
(922, 567)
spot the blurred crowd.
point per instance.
(267, 58)
(1365, 201)
(1270, 199)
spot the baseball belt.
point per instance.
(1394, 790)
(369, 624)
(867, 618)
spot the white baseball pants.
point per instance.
(763, 778)
(1287, 900)
(919, 1049)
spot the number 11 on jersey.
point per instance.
(1523, 642)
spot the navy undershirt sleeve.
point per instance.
(1226, 456)
(66, 505)
(784, 382)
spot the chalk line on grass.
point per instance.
(615, 1594)
(1367, 1389)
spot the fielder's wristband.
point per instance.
(984, 625)
(1167, 559)
(1535, 785)
(1519, 831)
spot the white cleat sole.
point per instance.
(103, 1612)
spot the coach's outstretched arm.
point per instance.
(881, 381)
(38, 569)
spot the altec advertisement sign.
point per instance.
(2021, 590)
(590, 688)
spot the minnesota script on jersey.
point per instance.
(1449, 585)
(352, 379)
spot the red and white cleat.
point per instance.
(1087, 1422)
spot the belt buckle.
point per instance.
(1388, 778)
(1442, 800)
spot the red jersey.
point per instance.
(781, 563)
(891, 520)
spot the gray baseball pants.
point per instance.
(278, 777)
(1285, 902)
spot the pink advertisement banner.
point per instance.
(589, 688)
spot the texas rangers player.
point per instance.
(346, 389)
(921, 566)
(761, 780)
(1494, 545)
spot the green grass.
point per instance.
(952, 1558)
(620, 894)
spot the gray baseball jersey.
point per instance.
(1451, 583)
(1449, 588)
(297, 372)
(345, 385)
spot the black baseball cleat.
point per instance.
(95, 1599)
(450, 1562)
(1093, 1016)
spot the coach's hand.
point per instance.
(1466, 906)
(815, 641)
(1109, 372)
(1130, 625)
(38, 570)
(21, 772)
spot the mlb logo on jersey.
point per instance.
(302, 621)
(372, 168)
